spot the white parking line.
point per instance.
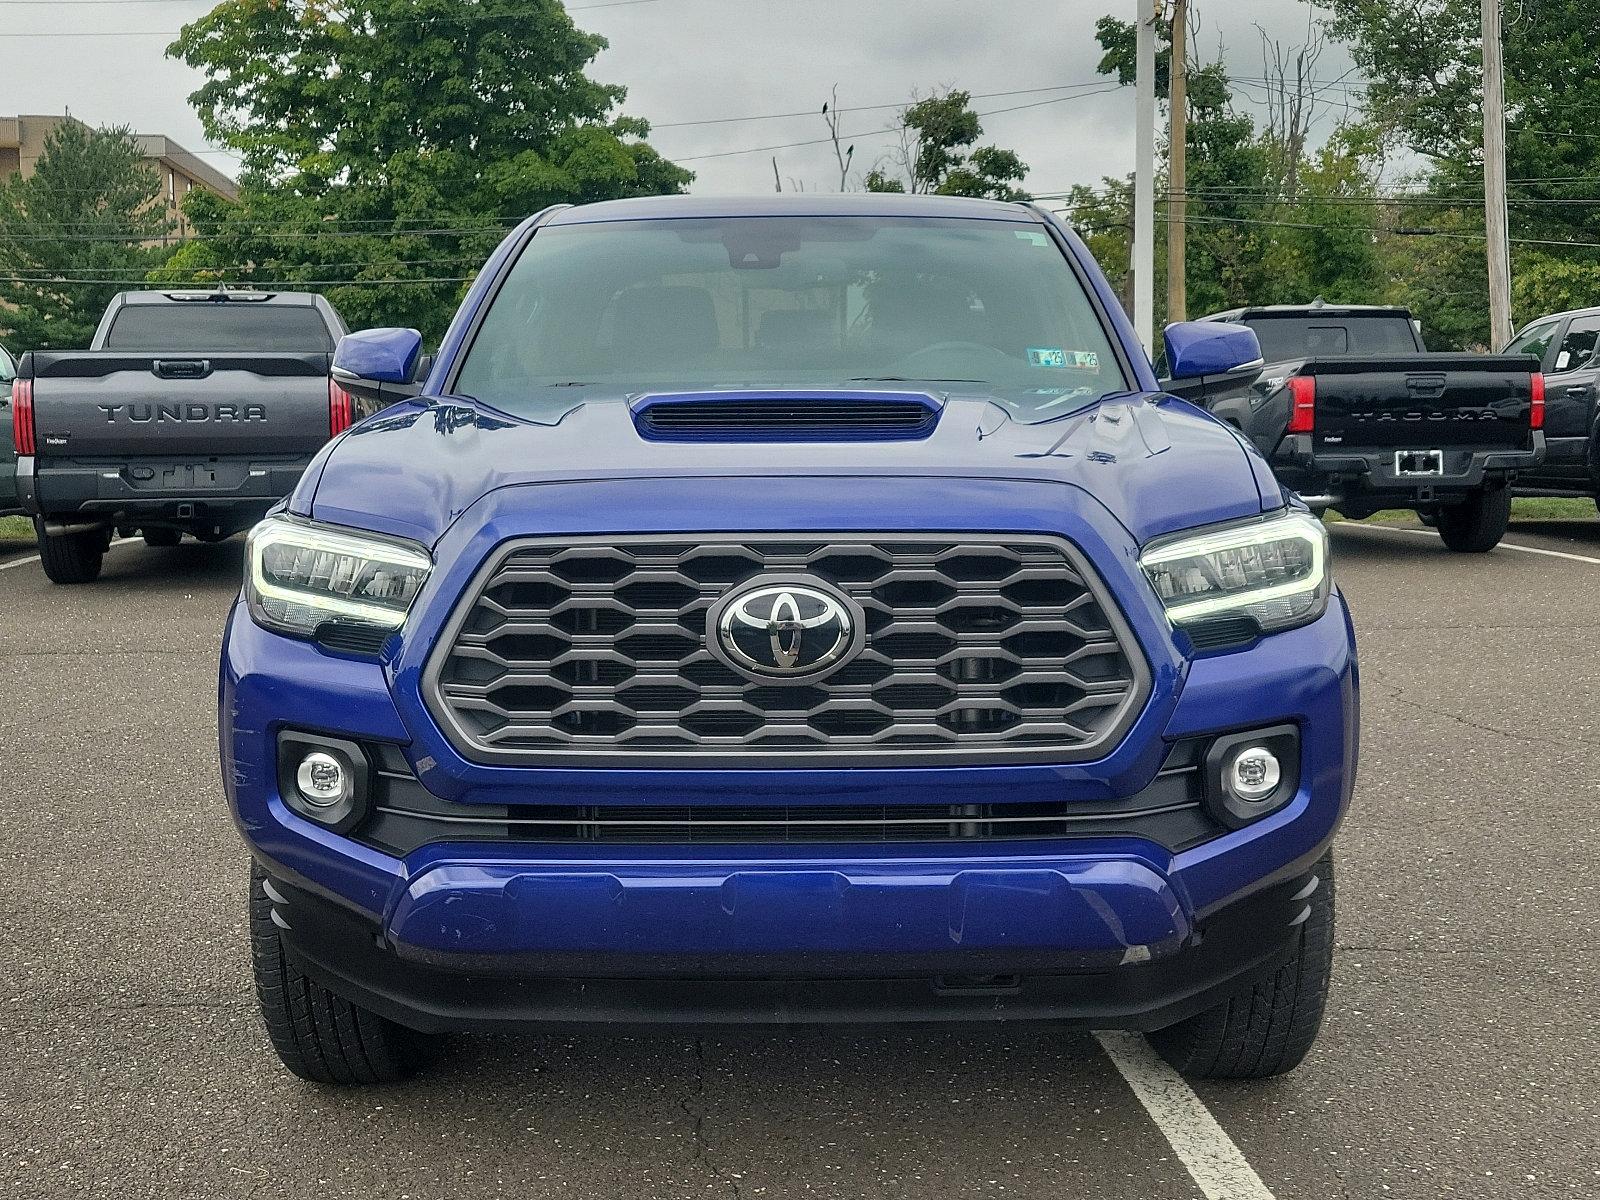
(1583, 558)
(22, 562)
(1216, 1165)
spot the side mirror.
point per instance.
(379, 364)
(1199, 348)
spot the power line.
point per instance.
(856, 137)
(172, 33)
(288, 235)
(384, 232)
(813, 112)
(1444, 233)
(185, 285)
(474, 260)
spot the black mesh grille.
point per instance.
(351, 637)
(976, 646)
(1169, 810)
(787, 418)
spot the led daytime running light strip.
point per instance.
(304, 537)
(1279, 529)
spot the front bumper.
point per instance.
(1107, 930)
(454, 990)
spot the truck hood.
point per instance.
(1155, 462)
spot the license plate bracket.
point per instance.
(179, 477)
(1414, 463)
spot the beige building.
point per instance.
(22, 141)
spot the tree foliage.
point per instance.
(1269, 221)
(391, 143)
(91, 210)
(939, 154)
(1424, 63)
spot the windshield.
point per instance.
(783, 302)
(1332, 336)
(208, 325)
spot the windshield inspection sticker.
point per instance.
(1046, 357)
(1033, 238)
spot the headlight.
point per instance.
(300, 574)
(1273, 571)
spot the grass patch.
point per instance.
(1531, 508)
(1552, 508)
(16, 531)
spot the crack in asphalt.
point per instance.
(1398, 695)
(697, 1120)
(206, 653)
(99, 1004)
(1468, 627)
(1358, 948)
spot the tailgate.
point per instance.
(110, 404)
(1424, 401)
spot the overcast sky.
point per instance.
(708, 60)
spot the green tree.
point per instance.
(1268, 221)
(91, 210)
(1424, 63)
(938, 154)
(391, 143)
(1119, 45)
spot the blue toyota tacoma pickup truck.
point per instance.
(791, 610)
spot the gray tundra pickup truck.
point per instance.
(191, 412)
(1354, 414)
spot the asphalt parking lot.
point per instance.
(1459, 1058)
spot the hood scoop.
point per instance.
(786, 416)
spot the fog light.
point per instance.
(323, 779)
(326, 780)
(1254, 773)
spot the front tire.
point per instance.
(1267, 1028)
(317, 1034)
(1476, 525)
(70, 558)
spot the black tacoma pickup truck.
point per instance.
(191, 412)
(1353, 413)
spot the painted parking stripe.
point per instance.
(22, 562)
(1216, 1165)
(1583, 558)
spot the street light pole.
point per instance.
(1144, 183)
(1496, 223)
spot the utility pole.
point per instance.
(1496, 223)
(1144, 172)
(1177, 166)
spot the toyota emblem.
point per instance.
(785, 629)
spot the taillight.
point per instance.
(1536, 411)
(341, 408)
(1302, 403)
(22, 415)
